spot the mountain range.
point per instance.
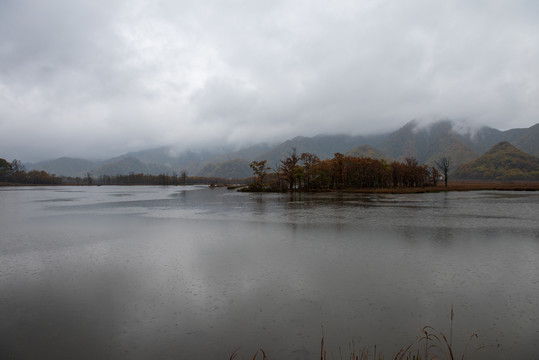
(426, 143)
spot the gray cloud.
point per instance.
(96, 78)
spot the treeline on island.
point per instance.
(308, 172)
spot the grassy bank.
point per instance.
(452, 186)
(459, 186)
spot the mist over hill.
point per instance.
(425, 142)
(65, 166)
(236, 168)
(428, 143)
(368, 152)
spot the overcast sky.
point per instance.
(99, 78)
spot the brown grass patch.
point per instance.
(468, 185)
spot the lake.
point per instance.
(195, 273)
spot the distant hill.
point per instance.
(175, 160)
(64, 166)
(428, 143)
(249, 153)
(482, 139)
(528, 141)
(368, 151)
(502, 162)
(324, 146)
(131, 165)
(237, 168)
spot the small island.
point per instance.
(513, 170)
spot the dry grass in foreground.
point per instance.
(429, 345)
(468, 185)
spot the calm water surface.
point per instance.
(194, 273)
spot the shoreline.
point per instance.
(465, 185)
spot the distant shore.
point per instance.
(468, 185)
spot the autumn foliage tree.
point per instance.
(308, 172)
(15, 172)
(6, 170)
(309, 161)
(259, 172)
(287, 168)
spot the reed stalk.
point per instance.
(430, 345)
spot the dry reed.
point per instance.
(430, 345)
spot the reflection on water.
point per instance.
(191, 272)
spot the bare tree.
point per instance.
(434, 175)
(183, 177)
(288, 166)
(444, 164)
(17, 165)
(89, 179)
(309, 161)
